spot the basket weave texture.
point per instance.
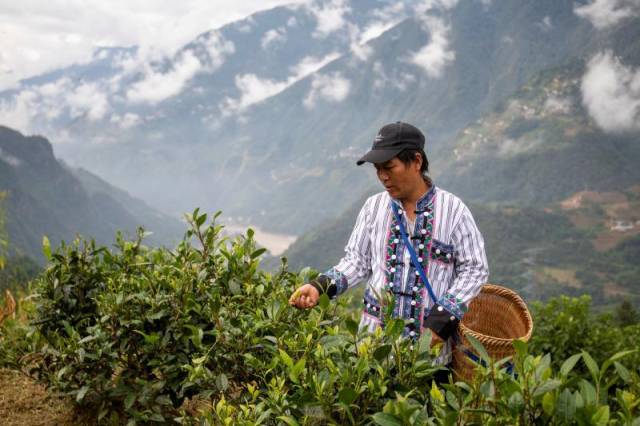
(496, 317)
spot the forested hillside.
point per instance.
(46, 197)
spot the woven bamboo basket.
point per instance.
(496, 317)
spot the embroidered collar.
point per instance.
(423, 201)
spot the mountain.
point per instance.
(556, 197)
(588, 243)
(263, 117)
(46, 197)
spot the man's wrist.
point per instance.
(324, 285)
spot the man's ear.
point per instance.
(418, 160)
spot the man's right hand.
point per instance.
(305, 297)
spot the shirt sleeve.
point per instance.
(355, 266)
(471, 273)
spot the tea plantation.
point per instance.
(201, 335)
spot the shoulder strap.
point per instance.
(412, 252)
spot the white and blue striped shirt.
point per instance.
(450, 249)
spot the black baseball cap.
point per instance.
(391, 140)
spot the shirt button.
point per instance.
(425, 214)
(393, 256)
(412, 333)
(412, 320)
(333, 281)
(438, 251)
(413, 303)
(393, 270)
(420, 259)
(397, 227)
(439, 308)
(421, 246)
(424, 231)
(369, 305)
(415, 288)
(452, 318)
(448, 255)
(396, 241)
(417, 273)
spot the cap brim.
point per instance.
(379, 156)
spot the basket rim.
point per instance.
(514, 297)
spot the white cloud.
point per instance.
(36, 35)
(254, 89)
(216, 48)
(400, 82)
(311, 64)
(10, 159)
(611, 93)
(545, 25)
(436, 55)
(158, 86)
(277, 35)
(330, 16)
(292, 21)
(127, 121)
(333, 88)
(88, 99)
(607, 13)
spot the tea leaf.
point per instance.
(81, 393)
(386, 419)
(347, 396)
(568, 365)
(352, 327)
(382, 352)
(601, 417)
(46, 247)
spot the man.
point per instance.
(438, 226)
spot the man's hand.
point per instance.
(305, 297)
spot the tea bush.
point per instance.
(132, 334)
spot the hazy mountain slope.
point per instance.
(210, 142)
(290, 153)
(568, 248)
(44, 197)
(541, 146)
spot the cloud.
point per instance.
(330, 16)
(277, 35)
(611, 93)
(333, 88)
(127, 121)
(545, 25)
(254, 89)
(10, 159)
(42, 36)
(436, 55)
(607, 13)
(158, 86)
(88, 99)
(400, 82)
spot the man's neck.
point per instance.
(410, 202)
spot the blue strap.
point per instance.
(412, 252)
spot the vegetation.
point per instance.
(138, 334)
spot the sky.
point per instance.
(38, 36)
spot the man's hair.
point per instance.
(408, 156)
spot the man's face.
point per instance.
(398, 179)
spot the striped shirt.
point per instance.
(449, 247)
